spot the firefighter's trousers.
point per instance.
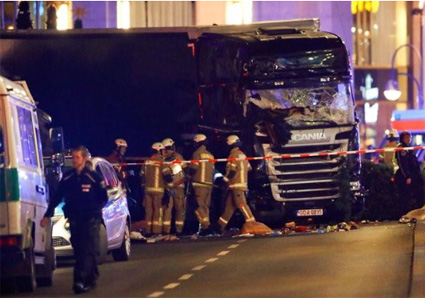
(203, 198)
(153, 209)
(179, 202)
(235, 199)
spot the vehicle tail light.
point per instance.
(9, 241)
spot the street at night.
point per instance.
(374, 261)
(212, 149)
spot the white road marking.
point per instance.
(233, 246)
(242, 241)
(198, 268)
(155, 294)
(172, 285)
(223, 253)
(211, 260)
(185, 276)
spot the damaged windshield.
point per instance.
(331, 103)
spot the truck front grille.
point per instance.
(307, 178)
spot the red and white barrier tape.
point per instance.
(284, 156)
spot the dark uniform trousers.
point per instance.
(203, 198)
(153, 208)
(85, 242)
(235, 199)
(179, 201)
(412, 196)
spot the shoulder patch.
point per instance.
(403, 153)
(102, 184)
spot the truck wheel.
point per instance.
(123, 253)
(103, 246)
(27, 282)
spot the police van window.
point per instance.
(26, 130)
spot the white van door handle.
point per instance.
(40, 189)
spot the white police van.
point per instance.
(26, 250)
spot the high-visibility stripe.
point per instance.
(166, 223)
(179, 223)
(223, 220)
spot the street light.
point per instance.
(392, 91)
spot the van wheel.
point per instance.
(27, 282)
(123, 253)
(45, 274)
(103, 246)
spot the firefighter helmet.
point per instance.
(121, 143)
(232, 139)
(167, 142)
(392, 134)
(199, 138)
(157, 146)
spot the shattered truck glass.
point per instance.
(285, 91)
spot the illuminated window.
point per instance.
(238, 12)
(123, 14)
(62, 14)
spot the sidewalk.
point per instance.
(417, 286)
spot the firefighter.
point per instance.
(153, 183)
(174, 177)
(201, 174)
(237, 179)
(118, 156)
(408, 176)
(85, 195)
(388, 158)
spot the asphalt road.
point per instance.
(374, 261)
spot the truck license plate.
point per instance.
(310, 212)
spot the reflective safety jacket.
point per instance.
(203, 171)
(152, 174)
(237, 171)
(174, 170)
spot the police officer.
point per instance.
(201, 174)
(237, 179)
(408, 176)
(154, 191)
(388, 158)
(174, 177)
(85, 195)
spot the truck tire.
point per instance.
(123, 252)
(103, 246)
(27, 282)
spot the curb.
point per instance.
(417, 285)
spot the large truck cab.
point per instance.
(26, 249)
(285, 90)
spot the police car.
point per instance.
(115, 230)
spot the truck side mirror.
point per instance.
(56, 138)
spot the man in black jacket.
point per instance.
(408, 176)
(85, 195)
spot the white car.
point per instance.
(115, 230)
